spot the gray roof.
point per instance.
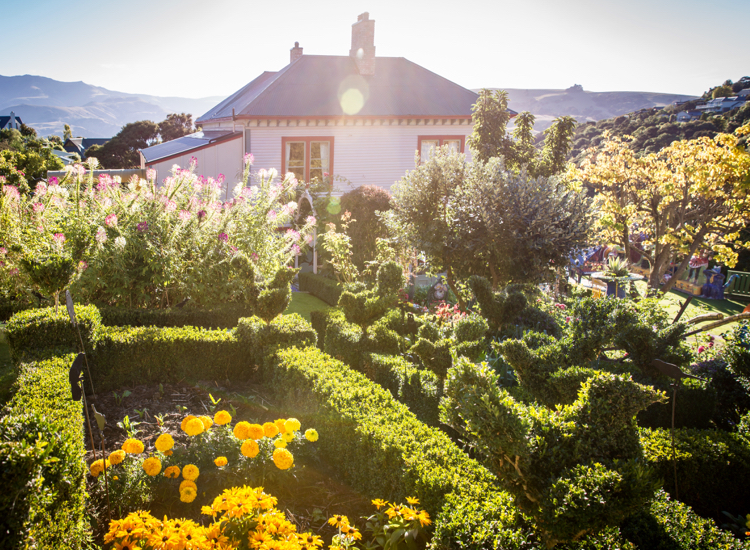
(4, 120)
(311, 86)
(79, 145)
(185, 144)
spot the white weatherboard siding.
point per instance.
(365, 154)
(221, 158)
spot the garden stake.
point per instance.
(100, 421)
(74, 376)
(674, 385)
(72, 314)
(682, 309)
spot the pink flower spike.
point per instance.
(53, 181)
(111, 220)
(59, 238)
(249, 158)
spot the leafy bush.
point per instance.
(713, 468)
(363, 202)
(366, 306)
(41, 471)
(221, 316)
(283, 332)
(322, 287)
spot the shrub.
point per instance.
(222, 316)
(695, 408)
(319, 322)
(363, 202)
(283, 332)
(41, 471)
(322, 287)
(43, 328)
(364, 307)
(713, 468)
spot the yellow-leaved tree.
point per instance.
(692, 195)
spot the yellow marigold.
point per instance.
(221, 461)
(185, 420)
(270, 429)
(188, 494)
(132, 446)
(168, 453)
(311, 435)
(249, 448)
(283, 459)
(279, 443)
(115, 478)
(188, 483)
(117, 457)
(241, 430)
(222, 417)
(152, 466)
(172, 471)
(191, 472)
(207, 422)
(292, 425)
(255, 431)
(194, 427)
(97, 467)
(288, 437)
(164, 442)
(280, 425)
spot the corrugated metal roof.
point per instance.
(313, 85)
(185, 144)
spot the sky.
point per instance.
(200, 48)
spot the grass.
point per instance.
(303, 303)
(7, 372)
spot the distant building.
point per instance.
(79, 144)
(744, 93)
(687, 116)
(10, 122)
(722, 104)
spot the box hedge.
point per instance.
(713, 468)
(223, 316)
(42, 472)
(322, 287)
(284, 331)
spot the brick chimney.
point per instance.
(295, 53)
(363, 44)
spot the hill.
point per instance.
(92, 111)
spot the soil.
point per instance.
(314, 493)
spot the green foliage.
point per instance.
(220, 316)
(713, 468)
(175, 126)
(41, 466)
(50, 274)
(366, 227)
(274, 297)
(737, 350)
(282, 332)
(322, 287)
(25, 158)
(696, 407)
(490, 116)
(550, 460)
(498, 308)
(122, 150)
(365, 307)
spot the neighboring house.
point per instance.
(10, 122)
(79, 144)
(66, 157)
(745, 94)
(722, 104)
(360, 117)
(686, 116)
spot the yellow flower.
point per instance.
(194, 426)
(280, 425)
(172, 471)
(283, 459)
(412, 500)
(311, 435)
(97, 467)
(424, 518)
(222, 417)
(188, 494)
(340, 522)
(188, 483)
(185, 420)
(379, 503)
(255, 431)
(288, 437)
(191, 472)
(292, 425)
(310, 540)
(152, 466)
(242, 430)
(221, 461)
(117, 457)
(115, 478)
(249, 448)
(132, 446)
(164, 442)
(270, 429)
(168, 453)
(279, 443)
(207, 422)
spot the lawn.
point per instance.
(303, 303)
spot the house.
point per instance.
(10, 122)
(79, 144)
(686, 116)
(722, 104)
(356, 116)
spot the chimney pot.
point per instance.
(295, 53)
(363, 44)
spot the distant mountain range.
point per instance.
(584, 106)
(92, 111)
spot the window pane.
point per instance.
(428, 148)
(319, 159)
(453, 144)
(295, 159)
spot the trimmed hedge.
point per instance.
(713, 468)
(35, 329)
(42, 473)
(322, 287)
(224, 316)
(284, 331)
(380, 447)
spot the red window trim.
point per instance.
(307, 140)
(440, 139)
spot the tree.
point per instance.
(689, 196)
(67, 132)
(175, 126)
(724, 90)
(490, 116)
(122, 150)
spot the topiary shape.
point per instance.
(499, 308)
(275, 297)
(364, 307)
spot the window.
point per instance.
(427, 144)
(307, 157)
